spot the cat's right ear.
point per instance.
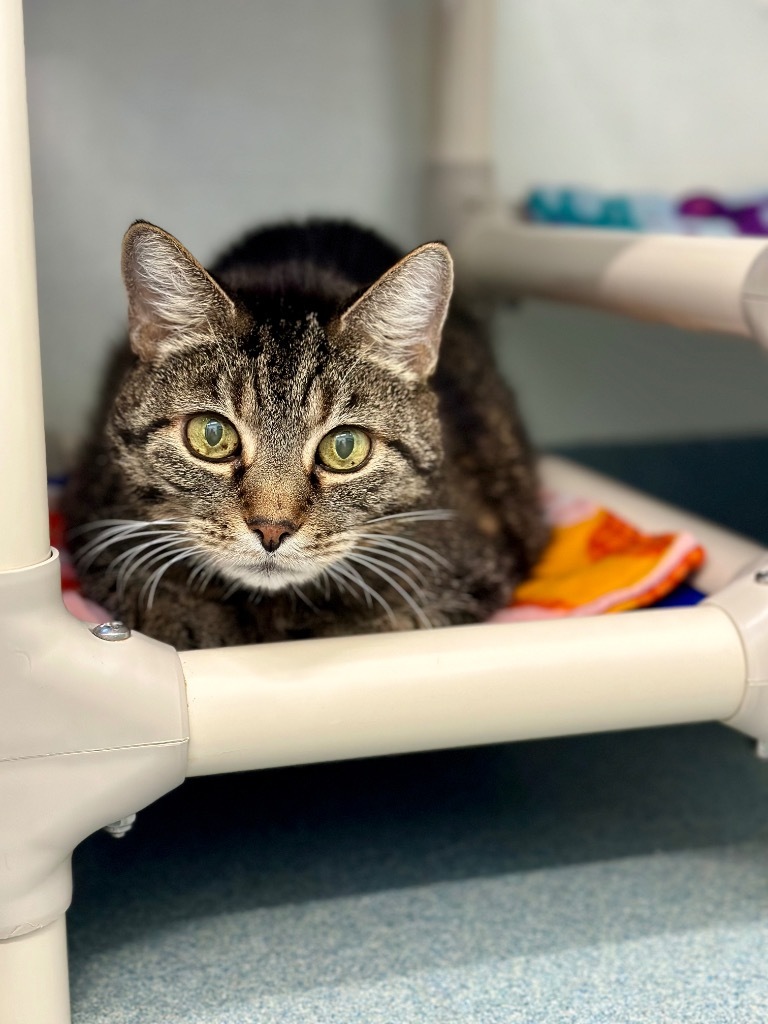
(173, 302)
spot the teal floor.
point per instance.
(613, 878)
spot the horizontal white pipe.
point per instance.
(713, 284)
(726, 552)
(463, 82)
(34, 984)
(330, 699)
(23, 498)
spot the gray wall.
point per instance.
(208, 118)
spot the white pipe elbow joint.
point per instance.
(90, 732)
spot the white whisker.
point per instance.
(338, 580)
(147, 561)
(300, 593)
(96, 523)
(91, 551)
(161, 538)
(326, 581)
(232, 589)
(205, 580)
(428, 554)
(157, 575)
(375, 566)
(352, 574)
(429, 514)
(367, 557)
(386, 553)
(202, 574)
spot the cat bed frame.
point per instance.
(94, 728)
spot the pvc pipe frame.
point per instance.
(34, 983)
(23, 497)
(459, 171)
(703, 284)
(462, 82)
(329, 699)
(319, 699)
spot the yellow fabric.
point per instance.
(602, 559)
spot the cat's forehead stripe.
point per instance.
(241, 392)
(289, 360)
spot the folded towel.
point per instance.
(597, 563)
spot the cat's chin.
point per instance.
(271, 578)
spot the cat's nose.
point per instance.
(271, 533)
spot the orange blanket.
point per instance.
(597, 563)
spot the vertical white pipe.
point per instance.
(463, 82)
(459, 172)
(34, 984)
(23, 498)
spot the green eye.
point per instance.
(344, 449)
(212, 437)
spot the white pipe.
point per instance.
(330, 699)
(34, 984)
(713, 284)
(459, 171)
(726, 552)
(23, 499)
(462, 104)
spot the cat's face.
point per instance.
(274, 443)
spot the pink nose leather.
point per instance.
(271, 534)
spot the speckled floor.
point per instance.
(611, 878)
(616, 878)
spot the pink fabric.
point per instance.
(83, 609)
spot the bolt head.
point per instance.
(121, 828)
(111, 631)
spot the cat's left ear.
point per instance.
(401, 315)
(173, 302)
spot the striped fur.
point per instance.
(298, 330)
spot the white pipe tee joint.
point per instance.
(745, 601)
(90, 732)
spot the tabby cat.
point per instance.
(304, 441)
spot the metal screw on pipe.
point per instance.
(121, 828)
(111, 631)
